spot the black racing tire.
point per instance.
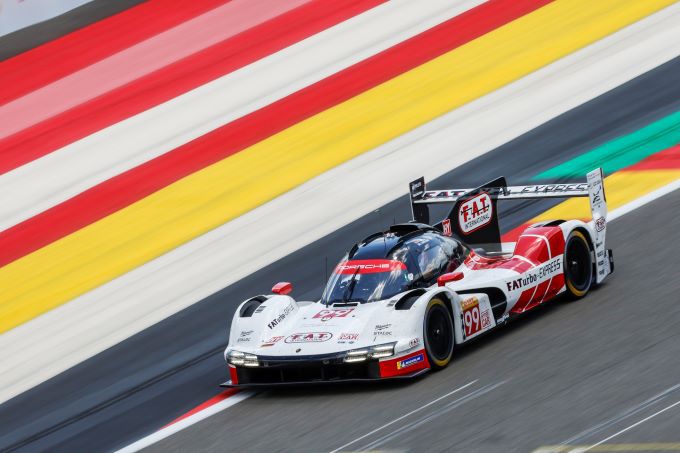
(438, 334)
(578, 266)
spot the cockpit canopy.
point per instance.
(386, 264)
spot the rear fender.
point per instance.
(599, 253)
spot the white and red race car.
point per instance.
(400, 301)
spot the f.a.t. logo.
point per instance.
(475, 213)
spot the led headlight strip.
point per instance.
(238, 358)
(373, 352)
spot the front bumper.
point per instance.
(317, 369)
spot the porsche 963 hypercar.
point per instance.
(400, 301)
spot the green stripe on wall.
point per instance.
(622, 152)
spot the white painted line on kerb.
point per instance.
(185, 423)
(404, 416)
(582, 450)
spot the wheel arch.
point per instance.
(451, 301)
(591, 246)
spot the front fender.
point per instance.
(258, 325)
(479, 319)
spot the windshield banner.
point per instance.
(369, 266)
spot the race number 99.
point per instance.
(472, 320)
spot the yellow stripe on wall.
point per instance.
(200, 202)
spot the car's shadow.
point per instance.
(476, 346)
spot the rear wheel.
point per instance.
(578, 265)
(438, 334)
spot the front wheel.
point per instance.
(578, 265)
(438, 334)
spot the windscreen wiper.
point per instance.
(350, 286)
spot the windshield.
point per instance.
(366, 281)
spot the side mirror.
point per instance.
(450, 277)
(282, 288)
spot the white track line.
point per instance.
(73, 169)
(580, 437)
(113, 312)
(421, 421)
(185, 423)
(434, 401)
(582, 450)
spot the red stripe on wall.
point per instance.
(55, 59)
(169, 82)
(124, 189)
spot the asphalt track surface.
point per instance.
(541, 380)
(563, 369)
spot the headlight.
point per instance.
(373, 352)
(238, 358)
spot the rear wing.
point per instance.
(474, 216)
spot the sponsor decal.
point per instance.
(309, 337)
(243, 340)
(486, 319)
(348, 336)
(246, 333)
(381, 330)
(551, 188)
(495, 191)
(414, 342)
(417, 188)
(260, 308)
(597, 198)
(442, 194)
(274, 322)
(327, 315)
(472, 321)
(368, 266)
(410, 361)
(600, 224)
(475, 213)
(446, 227)
(547, 270)
(468, 303)
(271, 342)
